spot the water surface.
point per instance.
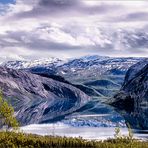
(91, 133)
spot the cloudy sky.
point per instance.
(31, 29)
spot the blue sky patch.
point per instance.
(7, 1)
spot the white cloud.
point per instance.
(78, 28)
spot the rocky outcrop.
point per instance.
(132, 100)
(39, 99)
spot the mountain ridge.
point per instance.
(132, 99)
(37, 99)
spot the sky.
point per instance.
(33, 29)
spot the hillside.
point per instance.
(132, 100)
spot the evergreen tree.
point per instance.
(7, 117)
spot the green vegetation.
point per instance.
(16, 139)
(7, 118)
(20, 140)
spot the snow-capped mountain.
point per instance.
(63, 67)
(93, 58)
(97, 76)
(103, 74)
(86, 67)
(94, 67)
(44, 62)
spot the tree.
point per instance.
(7, 117)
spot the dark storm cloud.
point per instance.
(50, 7)
(137, 16)
(40, 44)
(58, 3)
(131, 17)
(32, 42)
(75, 4)
(67, 8)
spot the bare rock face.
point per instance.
(132, 100)
(39, 99)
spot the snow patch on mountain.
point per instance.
(44, 62)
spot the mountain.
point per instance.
(44, 62)
(132, 100)
(97, 77)
(93, 67)
(81, 71)
(38, 99)
(94, 70)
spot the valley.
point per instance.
(76, 92)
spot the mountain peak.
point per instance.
(93, 57)
(33, 63)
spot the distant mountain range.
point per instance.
(103, 74)
(45, 62)
(73, 65)
(76, 91)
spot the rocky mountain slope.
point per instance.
(39, 99)
(96, 76)
(88, 71)
(88, 66)
(132, 100)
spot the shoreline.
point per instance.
(88, 133)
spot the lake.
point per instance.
(90, 133)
